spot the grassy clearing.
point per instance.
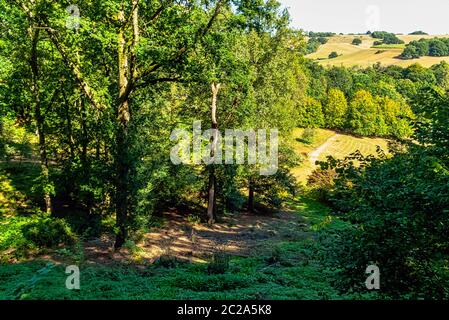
(339, 148)
(287, 269)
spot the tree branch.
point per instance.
(41, 24)
(200, 34)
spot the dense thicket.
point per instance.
(386, 37)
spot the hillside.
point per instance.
(364, 55)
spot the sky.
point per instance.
(359, 16)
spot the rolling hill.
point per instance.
(365, 55)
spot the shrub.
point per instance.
(49, 232)
(307, 136)
(275, 256)
(322, 182)
(357, 41)
(333, 55)
(398, 208)
(219, 263)
(167, 261)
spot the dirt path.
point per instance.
(315, 155)
(240, 235)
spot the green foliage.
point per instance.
(387, 37)
(313, 34)
(335, 109)
(436, 47)
(333, 55)
(311, 114)
(357, 41)
(398, 210)
(363, 114)
(340, 78)
(49, 232)
(314, 43)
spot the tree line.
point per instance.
(436, 47)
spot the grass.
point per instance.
(287, 269)
(389, 46)
(341, 147)
(366, 55)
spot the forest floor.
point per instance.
(276, 256)
(183, 240)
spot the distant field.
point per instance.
(366, 55)
(390, 46)
(327, 143)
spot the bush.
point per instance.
(322, 182)
(333, 55)
(398, 208)
(357, 41)
(49, 232)
(219, 263)
(307, 136)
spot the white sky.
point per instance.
(358, 16)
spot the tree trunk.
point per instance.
(85, 137)
(251, 196)
(122, 151)
(39, 118)
(212, 192)
(2, 143)
(69, 131)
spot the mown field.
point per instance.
(365, 55)
(328, 142)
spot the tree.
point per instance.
(335, 109)
(333, 55)
(419, 74)
(397, 116)
(363, 114)
(310, 114)
(357, 41)
(340, 78)
(135, 68)
(438, 48)
(441, 72)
